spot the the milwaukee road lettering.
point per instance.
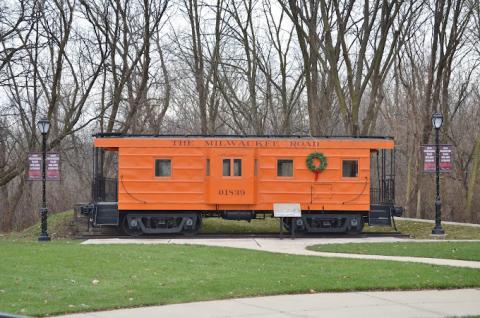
(249, 143)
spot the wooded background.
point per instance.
(314, 67)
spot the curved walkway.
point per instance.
(298, 247)
(425, 303)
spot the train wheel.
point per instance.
(356, 229)
(129, 231)
(300, 226)
(193, 230)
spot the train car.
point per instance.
(160, 184)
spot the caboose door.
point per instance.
(231, 179)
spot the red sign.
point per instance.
(446, 164)
(53, 166)
(35, 167)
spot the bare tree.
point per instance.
(127, 28)
(475, 154)
(13, 20)
(318, 82)
(240, 70)
(282, 83)
(362, 46)
(37, 86)
(203, 56)
(449, 22)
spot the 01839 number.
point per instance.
(231, 192)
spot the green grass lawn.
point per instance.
(64, 276)
(61, 276)
(59, 227)
(451, 250)
(422, 230)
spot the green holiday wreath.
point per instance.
(310, 162)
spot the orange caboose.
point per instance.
(168, 184)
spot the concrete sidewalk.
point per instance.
(297, 247)
(427, 303)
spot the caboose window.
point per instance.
(226, 167)
(163, 168)
(350, 168)
(237, 167)
(285, 168)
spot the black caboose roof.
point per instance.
(122, 135)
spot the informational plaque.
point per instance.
(287, 210)
(446, 163)
(35, 167)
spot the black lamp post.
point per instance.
(437, 121)
(44, 126)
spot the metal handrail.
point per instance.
(384, 194)
(105, 189)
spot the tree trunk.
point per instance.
(418, 212)
(408, 188)
(472, 181)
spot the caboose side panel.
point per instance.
(330, 190)
(188, 187)
(139, 188)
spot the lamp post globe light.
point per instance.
(437, 121)
(43, 125)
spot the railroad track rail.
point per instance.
(84, 236)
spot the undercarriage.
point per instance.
(135, 223)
